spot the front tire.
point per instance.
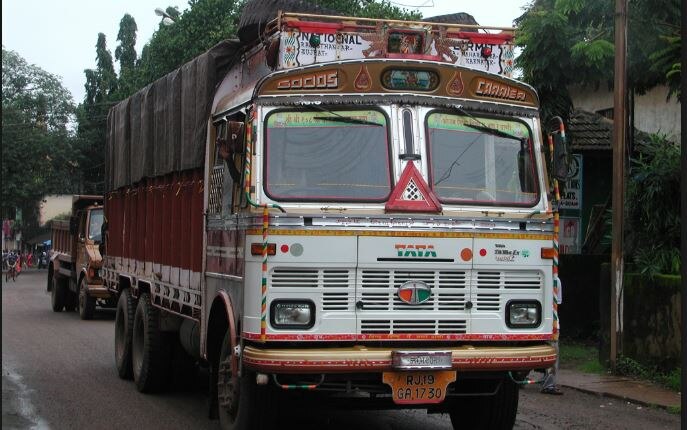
(86, 302)
(495, 412)
(150, 352)
(240, 399)
(124, 331)
(58, 293)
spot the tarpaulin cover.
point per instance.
(162, 128)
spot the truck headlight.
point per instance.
(292, 314)
(523, 313)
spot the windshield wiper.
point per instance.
(347, 119)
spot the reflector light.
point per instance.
(256, 249)
(547, 253)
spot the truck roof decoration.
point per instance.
(306, 39)
(397, 76)
(162, 128)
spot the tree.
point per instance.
(204, 24)
(125, 53)
(101, 94)
(566, 42)
(370, 9)
(37, 155)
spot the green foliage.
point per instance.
(626, 366)
(580, 356)
(370, 9)
(667, 61)
(567, 42)
(101, 93)
(125, 53)
(37, 155)
(203, 25)
(653, 206)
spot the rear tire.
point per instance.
(495, 412)
(150, 352)
(58, 293)
(241, 401)
(124, 330)
(86, 303)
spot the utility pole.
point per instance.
(619, 145)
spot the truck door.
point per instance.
(413, 287)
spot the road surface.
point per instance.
(58, 372)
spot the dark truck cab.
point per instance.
(74, 279)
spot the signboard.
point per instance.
(569, 237)
(571, 197)
(305, 48)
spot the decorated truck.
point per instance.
(352, 209)
(74, 280)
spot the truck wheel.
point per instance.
(495, 412)
(257, 13)
(124, 329)
(57, 294)
(240, 399)
(71, 302)
(150, 352)
(86, 303)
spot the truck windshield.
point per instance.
(471, 164)
(95, 225)
(327, 156)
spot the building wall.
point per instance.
(653, 114)
(54, 205)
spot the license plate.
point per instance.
(419, 387)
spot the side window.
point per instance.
(227, 171)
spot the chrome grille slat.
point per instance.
(378, 292)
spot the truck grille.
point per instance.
(378, 291)
(412, 326)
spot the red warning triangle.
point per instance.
(412, 194)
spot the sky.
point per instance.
(60, 36)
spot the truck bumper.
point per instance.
(98, 291)
(364, 359)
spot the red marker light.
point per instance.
(483, 252)
(284, 248)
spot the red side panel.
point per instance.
(150, 220)
(141, 222)
(158, 200)
(160, 220)
(197, 222)
(183, 199)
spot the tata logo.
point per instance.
(415, 250)
(414, 292)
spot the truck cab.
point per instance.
(75, 261)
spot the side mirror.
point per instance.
(561, 157)
(234, 142)
(73, 225)
(525, 167)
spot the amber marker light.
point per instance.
(256, 249)
(547, 253)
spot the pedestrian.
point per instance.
(549, 385)
(29, 259)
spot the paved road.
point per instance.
(58, 373)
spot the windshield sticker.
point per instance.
(315, 119)
(445, 121)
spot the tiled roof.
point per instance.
(588, 131)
